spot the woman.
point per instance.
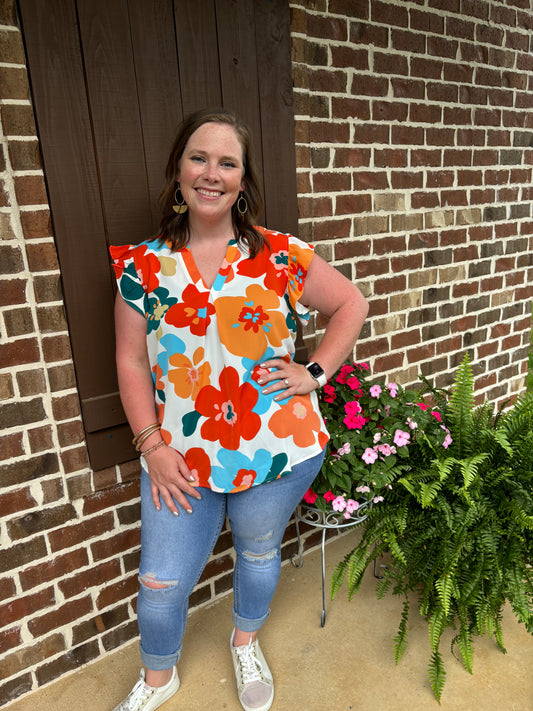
(227, 424)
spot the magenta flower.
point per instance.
(352, 407)
(330, 394)
(369, 455)
(343, 373)
(310, 496)
(401, 438)
(436, 415)
(353, 383)
(329, 496)
(375, 391)
(354, 422)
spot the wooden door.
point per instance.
(111, 80)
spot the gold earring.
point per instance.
(180, 205)
(242, 207)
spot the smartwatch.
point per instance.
(317, 373)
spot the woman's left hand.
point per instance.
(286, 379)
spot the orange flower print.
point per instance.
(249, 324)
(296, 419)
(270, 264)
(229, 410)
(188, 377)
(194, 311)
(199, 464)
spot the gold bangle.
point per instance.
(144, 434)
(152, 449)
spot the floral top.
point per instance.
(206, 347)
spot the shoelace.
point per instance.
(139, 693)
(251, 667)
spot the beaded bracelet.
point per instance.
(152, 449)
(141, 436)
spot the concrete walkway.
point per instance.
(348, 664)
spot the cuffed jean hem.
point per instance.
(247, 625)
(159, 662)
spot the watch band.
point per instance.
(316, 372)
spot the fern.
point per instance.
(400, 639)
(462, 403)
(437, 674)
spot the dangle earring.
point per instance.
(180, 205)
(242, 205)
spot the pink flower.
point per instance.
(310, 496)
(375, 391)
(377, 437)
(401, 438)
(393, 389)
(329, 496)
(447, 441)
(377, 499)
(412, 424)
(339, 504)
(346, 514)
(436, 415)
(363, 489)
(369, 455)
(352, 506)
(354, 422)
(345, 449)
(385, 449)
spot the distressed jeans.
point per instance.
(175, 551)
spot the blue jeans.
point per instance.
(175, 551)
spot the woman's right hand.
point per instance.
(170, 479)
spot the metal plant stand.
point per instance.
(325, 520)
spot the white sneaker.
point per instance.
(146, 698)
(255, 685)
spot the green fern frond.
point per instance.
(400, 639)
(338, 576)
(356, 568)
(437, 674)
(444, 586)
(469, 468)
(464, 643)
(436, 626)
(462, 403)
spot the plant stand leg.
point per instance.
(298, 555)
(323, 617)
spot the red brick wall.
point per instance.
(414, 135)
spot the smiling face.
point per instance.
(211, 173)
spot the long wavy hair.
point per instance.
(174, 227)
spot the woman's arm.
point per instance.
(168, 471)
(335, 297)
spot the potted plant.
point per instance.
(457, 524)
(378, 432)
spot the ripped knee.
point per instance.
(150, 580)
(260, 558)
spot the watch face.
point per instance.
(315, 370)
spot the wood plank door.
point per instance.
(111, 82)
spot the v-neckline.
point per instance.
(195, 274)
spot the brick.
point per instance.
(61, 377)
(42, 256)
(30, 190)
(31, 382)
(20, 351)
(17, 120)
(36, 224)
(71, 661)
(390, 64)
(314, 207)
(79, 485)
(365, 34)
(96, 576)
(12, 291)
(18, 322)
(30, 656)
(11, 445)
(119, 543)
(343, 56)
(39, 521)
(331, 182)
(48, 288)
(110, 498)
(327, 27)
(352, 204)
(70, 433)
(15, 501)
(390, 285)
(351, 157)
(8, 639)
(56, 348)
(26, 605)
(330, 229)
(25, 155)
(73, 535)
(327, 81)
(22, 553)
(117, 592)
(100, 623)
(425, 113)
(408, 88)
(408, 41)
(40, 439)
(29, 469)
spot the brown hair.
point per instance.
(174, 226)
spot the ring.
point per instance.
(286, 383)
